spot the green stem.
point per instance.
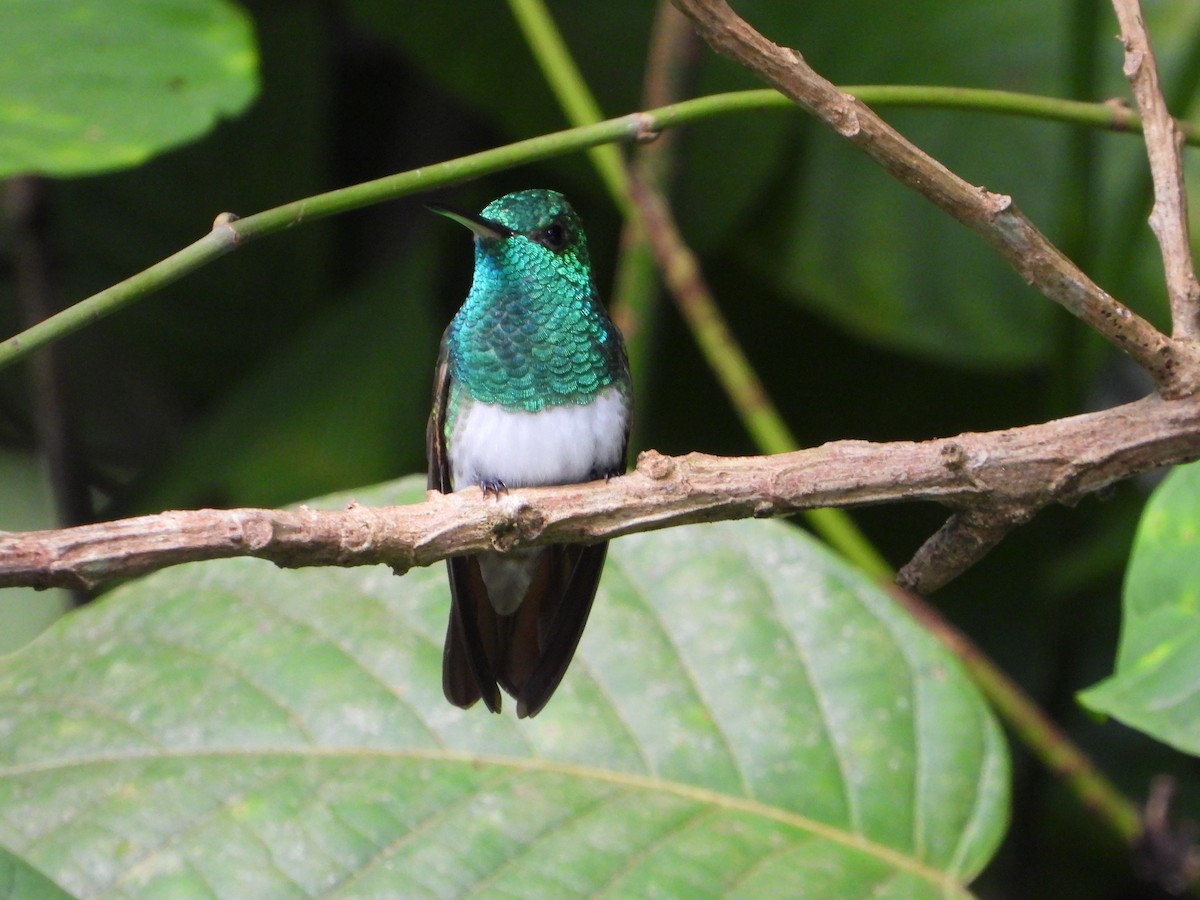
(633, 127)
(559, 69)
(231, 232)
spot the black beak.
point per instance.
(484, 228)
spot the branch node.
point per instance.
(654, 465)
(521, 523)
(954, 457)
(222, 227)
(1133, 60)
(1123, 116)
(642, 128)
(998, 203)
(257, 532)
(844, 118)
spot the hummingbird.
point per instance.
(531, 388)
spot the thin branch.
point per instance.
(634, 127)
(994, 217)
(1169, 217)
(37, 291)
(966, 538)
(1017, 469)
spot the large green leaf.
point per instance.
(20, 881)
(1154, 688)
(28, 506)
(848, 241)
(89, 85)
(746, 717)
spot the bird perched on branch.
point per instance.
(532, 388)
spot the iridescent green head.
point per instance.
(532, 332)
(529, 230)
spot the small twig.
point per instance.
(1169, 217)
(36, 289)
(1166, 852)
(965, 539)
(994, 217)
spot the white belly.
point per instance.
(559, 445)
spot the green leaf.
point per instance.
(1154, 688)
(88, 85)
(28, 506)
(20, 880)
(849, 242)
(745, 716)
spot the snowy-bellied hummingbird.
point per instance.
(532, 388)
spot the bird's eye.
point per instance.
(553, 237)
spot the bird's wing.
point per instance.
(467, 668)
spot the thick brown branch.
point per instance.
(1018, 470)
(1168, 218)
(992, 216)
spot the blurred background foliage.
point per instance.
(301, 364)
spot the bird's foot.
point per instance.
(493, 486)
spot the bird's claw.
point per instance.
(493, 486)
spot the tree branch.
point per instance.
(1168, 218)
(994, 217)
(965, 539)
(1019, 470)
